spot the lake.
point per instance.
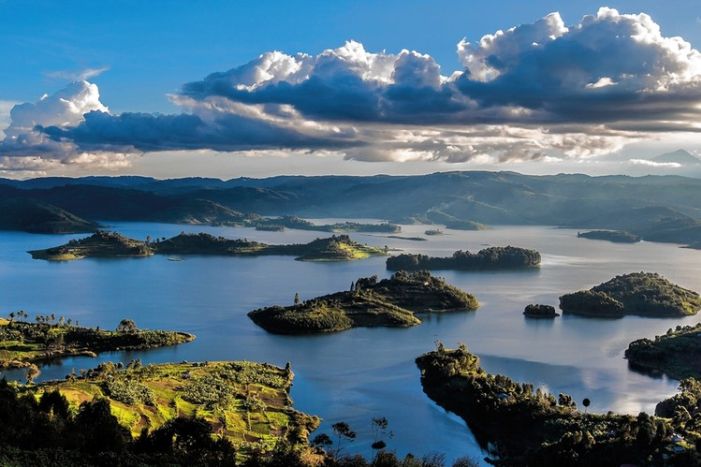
(364, 373)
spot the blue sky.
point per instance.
(150, 49)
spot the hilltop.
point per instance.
(643, 294)
(246, 403)
(389, 302)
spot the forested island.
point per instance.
(23, 343)
(615, 236)
(370, 302)
(640, 293)
(489, 258)
(292, 222)
(522, 425)
(540, 311)
(113, 245)
(676, 353)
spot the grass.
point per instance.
(246, 403)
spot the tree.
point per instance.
(12, 316)
(343, 432)
(586, 403)
(297, 299)
(127, 326)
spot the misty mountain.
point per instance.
(680, 156)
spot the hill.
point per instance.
(643, 294)
(38, 217)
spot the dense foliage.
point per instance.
(540, 311)
(110, 244)
(616, 236)
(49, 337)
(644, 294)
(677, 353)
(387, 302)
(490, 258)
(533, 428)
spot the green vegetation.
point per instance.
(38, 217)
(22, 344)
(101, 244)
(677, 353)
(490, 258)
(616, 236)
(434, 232)
(292, 222)
(246, 403)
(114, 245)
(540, 311)
(390, 302)
(527, 426)
(643, 294)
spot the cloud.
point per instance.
(659, 165)
(79, 75)
(544, 91)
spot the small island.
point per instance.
(640, 293)
(523, 425)
(490, 258)
(434, 232)
(540, 311)
(676, 354)
(370, 302)
(457, 224)
(245, 403)
(23, 344)
(113, 245)
(615, 236)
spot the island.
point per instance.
(640, 293)
(489, 258)
(615, 236)
(523, 425)
(24, 344)
(676, 353)
(113, 245)
(459, 224)
(248, 404)
(34, 216)
(434, 232)
(370, 302)
(293, 222)
(540, 311)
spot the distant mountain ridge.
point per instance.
(680, 156)
(661, 208)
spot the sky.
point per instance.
(244, 88)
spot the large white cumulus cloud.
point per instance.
(539, 91)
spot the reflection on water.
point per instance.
(364, 373)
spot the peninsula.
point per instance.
(245, 403)
(640, 293)
(113, 245)
(370, 302)
(23, 344)
(615, 236)
(522, 425)
(676, 353)
(490, 258)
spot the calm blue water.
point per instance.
(364, 373)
